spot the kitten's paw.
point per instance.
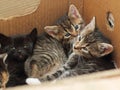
(33, 81)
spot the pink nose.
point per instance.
(76, 47)
(75, 35)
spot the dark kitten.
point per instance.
(91, 53)
(4, 75)
(49, 54)
(19, 49)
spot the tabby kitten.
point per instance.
(67, 28)
(4, 75)
(91, 53)
(19, 48)
(49, 54)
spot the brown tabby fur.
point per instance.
(49, 54)
(4, 75)
(91, 53)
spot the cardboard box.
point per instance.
(100, 8)
(46, 12)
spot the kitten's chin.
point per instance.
(22, 56)
(77, 52)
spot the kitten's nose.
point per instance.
(74, 34)
(77, 47)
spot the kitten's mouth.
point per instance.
(21, 56)
(78, 52)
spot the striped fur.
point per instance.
(91, 53)
(48, 55)
(50, 52)
(4, 75)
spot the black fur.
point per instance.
(19, 48)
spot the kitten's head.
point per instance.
(67, 27)
(22, 46)
(91, 42)
(18, 47)
(4, 76)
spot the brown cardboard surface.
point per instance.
(46, 14)
(99, 8)
(16, 8)
(95, 81)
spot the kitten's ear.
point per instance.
(3, 56)
(91, 25)
(73, 12)
(106, 48)
(3, 37)
(33, 34)
(52, 31)
(4, 40)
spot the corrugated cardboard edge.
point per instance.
(94, 81)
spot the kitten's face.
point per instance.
(4, 76)
(68, 27)
(20, 47)
(91, 43)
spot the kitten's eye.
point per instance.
(84, 49)
(13, 48)
(79, 38)
(77, 27)
(26, 46)
(68, 34)
(0, 46)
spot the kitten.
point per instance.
(67, 28)
(19, 48)
(91, 53)
(49, 54)
(4, 75)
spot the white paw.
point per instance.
(33, 81)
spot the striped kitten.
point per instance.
(4, 76)
(49, 54)
(91, 53)
(67, 28)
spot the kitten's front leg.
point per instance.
(53, 76)
(64, 70)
